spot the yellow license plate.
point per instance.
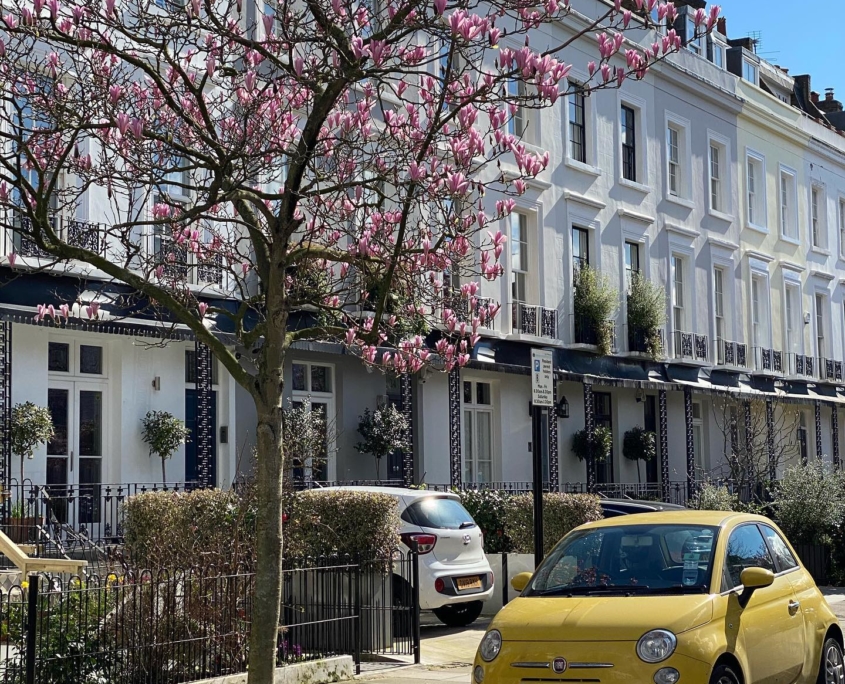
(465, 583)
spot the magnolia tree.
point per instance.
(323, 163)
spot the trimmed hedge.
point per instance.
(561, 514)
(342, 522)
(487, 508)
(211, 527)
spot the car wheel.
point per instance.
(460, 614)
(832, 668)
(724, 674)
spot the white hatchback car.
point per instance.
(455, 577)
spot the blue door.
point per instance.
(191, 466)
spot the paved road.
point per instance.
(447, 653)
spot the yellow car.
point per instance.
(686, 596)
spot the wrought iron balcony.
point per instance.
(800, 365)
(767, 360)
(585, 331)
(731, 353)
(690, 346)
(830, 370)
(530, 319)
(638, 340)
(467, 309)
(76, 233)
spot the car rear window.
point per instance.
(439, 513)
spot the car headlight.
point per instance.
(490, 646)
(657, 645)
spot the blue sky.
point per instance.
(804, 36)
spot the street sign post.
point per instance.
(542, 398)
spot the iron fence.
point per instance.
(59, 515)
(184, 626)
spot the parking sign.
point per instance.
(542, 377)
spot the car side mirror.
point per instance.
(520, 581)
(753, 579)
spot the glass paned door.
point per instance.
(314, 467)
(75, 454)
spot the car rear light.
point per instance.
(425, 542)
(492, 578)
(439, 585)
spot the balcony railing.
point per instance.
(690, 346)
(76, 233)
(830, 370)
(638, 341)
(467, 309)
(768, 360)
(530, 319)
(800, 365)
(731, 353)
(585, 331)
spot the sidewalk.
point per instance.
(836, 599)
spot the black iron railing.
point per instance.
(587, 330)
(639, 340)
(184, 625)
(77, 233)
(529, 319)
(56, 512)
(768, 360)
(690, 346)
(730, 353)
(830, 370)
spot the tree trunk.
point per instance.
(163, 472)
(269, 487)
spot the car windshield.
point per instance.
(439, 513)
(628, 559)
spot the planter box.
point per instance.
(23, 530)
(517, 563)
(816, 558)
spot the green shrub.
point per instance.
(809, 503)
(561, 513)
(210, 527)
(646, 313)
(602, 444)
(487, 508)
(711, 497)
(342, 522)
(189, 529)
(595, 300)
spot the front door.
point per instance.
(75, 453)
(191, 461)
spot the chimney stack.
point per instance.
(830, 104)
(722, 26)
(814, 96)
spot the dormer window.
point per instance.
(694, 41)
(716, 51)
(750, 72)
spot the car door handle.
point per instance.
(793, 607)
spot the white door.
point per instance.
(75, 454)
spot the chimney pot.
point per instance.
(814, 96)
(828, 94)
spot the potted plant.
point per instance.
(646, 316)
(164, 433)
(383, 432)
(32, 426)
(638, 445)
(602, 444)
(595, 302)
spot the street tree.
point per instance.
(337, 168)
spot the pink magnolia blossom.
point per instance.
(12, 257)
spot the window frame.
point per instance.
(719, 303)
(583, 241)
(628, 136)
(518, 123)
(793, 283)
(760, 204)
(573, 106)
(74, 361)
(716, 45)
(788, 200)
(723, 147)
(631, 248)
(675, 259)
(475, 408)
(840, 218)
(764, 322)
(588, 167)
(308, 392)
(682, 128)
(818, 217)
(754, 68)
(525, 260)
(821, 324)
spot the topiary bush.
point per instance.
(809, 504)
(561, 513)
(602, 444)
(487, 508)
(646, 314)
(595, 301)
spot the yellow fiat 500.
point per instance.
(687, 596)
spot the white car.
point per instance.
(455, 577)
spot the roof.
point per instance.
(686, 517)
(390, 491)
